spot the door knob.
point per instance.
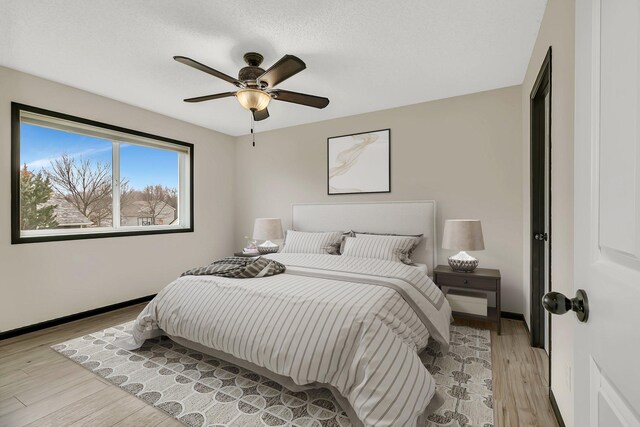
(557, 303)
(541, 237)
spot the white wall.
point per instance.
(42, 281)
(463, 152)
(557, 30)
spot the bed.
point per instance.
(353, 325)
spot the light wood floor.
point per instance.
(520, 372)
(39, 387)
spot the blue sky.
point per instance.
(140, 165)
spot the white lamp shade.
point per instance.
(267, 229)
(463, 235)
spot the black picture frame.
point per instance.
(388, 130)
(16, 238)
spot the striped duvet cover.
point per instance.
(353, 324)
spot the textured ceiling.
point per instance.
(362, 55)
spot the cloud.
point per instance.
(45, 163)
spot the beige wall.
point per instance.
(42, 281)
(463, 152)
(557, 30)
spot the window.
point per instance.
(74, 178)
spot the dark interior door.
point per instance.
(541, 204)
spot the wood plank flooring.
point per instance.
(39, 387)
(520, 372)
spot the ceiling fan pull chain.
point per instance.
(253, 135)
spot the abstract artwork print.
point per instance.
(359, 163)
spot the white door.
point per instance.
(607, 212)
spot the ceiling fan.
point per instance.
(256, 87)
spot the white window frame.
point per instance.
(117, 136)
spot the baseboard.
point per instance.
(556, 410)
(66, 319)
(513, 316)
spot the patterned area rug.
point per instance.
(200, 390)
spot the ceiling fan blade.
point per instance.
(198, 66)
(300, 98)
(286, 67)
(210, 97)
(260, 115)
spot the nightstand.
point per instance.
(480, 279)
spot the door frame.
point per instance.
(538, 315)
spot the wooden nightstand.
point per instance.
(481, 279)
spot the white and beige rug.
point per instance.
(200, 390)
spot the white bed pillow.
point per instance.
(303, 242)
(417, 238)
(405, 256)
(389, 248)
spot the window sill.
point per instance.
(33, 236)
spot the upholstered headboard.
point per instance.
(377, 217)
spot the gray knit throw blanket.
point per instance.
(239, 268)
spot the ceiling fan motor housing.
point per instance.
(250, 73)
(253, 70)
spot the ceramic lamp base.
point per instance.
(268, 247)
(463, 262)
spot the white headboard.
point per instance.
(376, 217)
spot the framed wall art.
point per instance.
(359, 163)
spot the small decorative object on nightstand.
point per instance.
(246, 255)
(463, 235)
(267, 229)
(250, 249)
(482, 280)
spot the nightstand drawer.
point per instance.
(467, 282)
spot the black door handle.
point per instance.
(557, 303)
(542, 237)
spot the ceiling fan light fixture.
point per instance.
(253, 99)
(256, 87)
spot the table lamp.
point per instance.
(267, 229)
(463, 235)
